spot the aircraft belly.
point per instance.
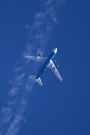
(41, 71)
(46, 64)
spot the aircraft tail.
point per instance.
(33, 77)
(39, 81)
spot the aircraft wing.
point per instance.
(36, 58)
(54, 70)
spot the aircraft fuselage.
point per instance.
(45, 65)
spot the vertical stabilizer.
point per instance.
(39, 81)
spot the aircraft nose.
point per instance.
(54, 50)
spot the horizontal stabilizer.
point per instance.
(32, 77)
(39, 81)
(36, 80)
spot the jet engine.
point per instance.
(44, 55)
(39, 54)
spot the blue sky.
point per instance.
(57, 108)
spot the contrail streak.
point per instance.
(12, 114)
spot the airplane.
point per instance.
(47, 63)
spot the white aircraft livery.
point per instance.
(47, 63)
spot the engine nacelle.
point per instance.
(44, 55)
(39, 54)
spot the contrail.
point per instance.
(12, 114)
